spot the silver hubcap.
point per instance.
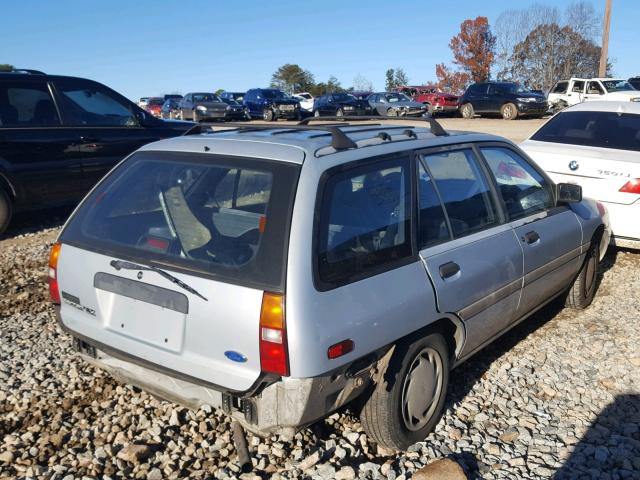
(422, 389)
(507, 112)
(316, 113)
(391, 113)
(339, 113)
(467, 111)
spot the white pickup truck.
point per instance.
(576, 90)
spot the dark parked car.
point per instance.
(271, 104)
(208, 106)
(170, 108)
(505, 98)
(635, 82)
(60, 135)
(237, 105)
(235, 96)
(361, 95)
(393, 104)
(340, 104)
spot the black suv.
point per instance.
(635, 82)
(339, 104)
(60, 135)
(505, 98)
(271, 104)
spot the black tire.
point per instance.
(583, 289)
(267, 115)
(386, 416)
(466, 111)
(509, 111)
(5, 211)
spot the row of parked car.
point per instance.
(507, 99)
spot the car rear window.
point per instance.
(219, 216)
(594, 129)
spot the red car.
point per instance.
(154, 106)
(435, 100)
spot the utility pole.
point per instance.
(602, 72)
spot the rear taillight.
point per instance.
(632, 186)
(54, 291)
(273, 335)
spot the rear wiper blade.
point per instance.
(121, 264)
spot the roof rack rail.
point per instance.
(23, 70)
(339, 140)
(436, 128)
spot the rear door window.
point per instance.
(433, 227)
(364, 224)
(212, 215)
(27, 105)
(560, 87)
(464, 190)
(523, 189)
(594, 129)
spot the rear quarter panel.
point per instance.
(372, 312)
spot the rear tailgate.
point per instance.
(600, 172)
(168, 258)
(145, 316)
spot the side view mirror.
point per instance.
(141, 117)
(569, 193)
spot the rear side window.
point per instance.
(87, 103)
(432, 224)
(594, 129)
(27, 105)
(208, 214)
(464, 190)
(524, 190)
(364, 222)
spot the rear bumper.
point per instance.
(282, 407)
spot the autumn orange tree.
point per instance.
(473, 52)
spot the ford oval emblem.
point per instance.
(235, 356)
(573, 165)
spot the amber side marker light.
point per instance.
(273, 335)
(54, 291)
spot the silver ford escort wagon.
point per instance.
(281, 272)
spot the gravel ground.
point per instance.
(558, 396)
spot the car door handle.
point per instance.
(449, 269)
(531, 237)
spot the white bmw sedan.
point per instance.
(597, 145)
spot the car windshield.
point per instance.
(210, 214)
(156, 101)
(343, 97)
(594, 129)
(617, 85)
(205, 97)
(396, 97)
(273, 94)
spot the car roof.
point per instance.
(606, 106)
(282, 143)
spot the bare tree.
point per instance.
(362, 84)
(583, 19)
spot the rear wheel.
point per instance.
(407, 402)
(583, 289)
(509, 111)
(467, 111)
(5, 210)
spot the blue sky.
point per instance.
(143, 48)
